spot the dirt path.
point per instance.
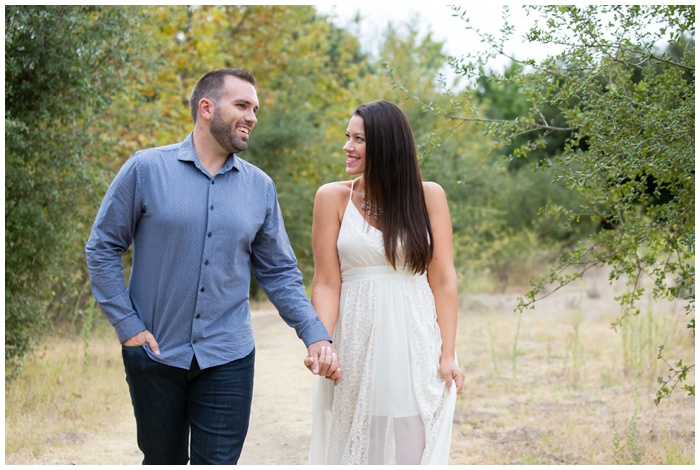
(280, 422)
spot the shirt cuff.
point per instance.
(314, 333)
(129, 327)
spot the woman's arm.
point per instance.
(443, 280)
(325, 290)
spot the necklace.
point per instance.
(369, 208)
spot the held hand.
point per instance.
(142, 338)
(323, 360)
(450, 371)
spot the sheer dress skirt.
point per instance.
(392, 406)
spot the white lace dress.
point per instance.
(392, 406)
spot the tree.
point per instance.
(62, 67)
(624, 83)
(530, 191)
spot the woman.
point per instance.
(385, 288)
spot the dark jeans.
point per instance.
(170, 403)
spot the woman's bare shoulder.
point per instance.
(433, 191)
(336, 190)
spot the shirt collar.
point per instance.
(187, 153)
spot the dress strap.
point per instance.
(352, 187)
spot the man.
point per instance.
(199, 218)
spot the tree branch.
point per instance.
(671, 63)
(533, 124)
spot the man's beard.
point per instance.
(225, 136)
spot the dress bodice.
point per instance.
(361, 245)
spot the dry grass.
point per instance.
(558, 386)
(70, 405)
(554, 386)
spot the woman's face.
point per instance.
(354, 147)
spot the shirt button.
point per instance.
(212, 181)
(198, 315)
(202, 289)
(209, 234)
(206, 263)
(211, 207)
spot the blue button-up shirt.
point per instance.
(195, 239)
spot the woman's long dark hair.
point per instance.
(393, 183)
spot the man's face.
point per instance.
(235, 115)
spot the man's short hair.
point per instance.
(211, 86)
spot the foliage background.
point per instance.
(518, 152)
